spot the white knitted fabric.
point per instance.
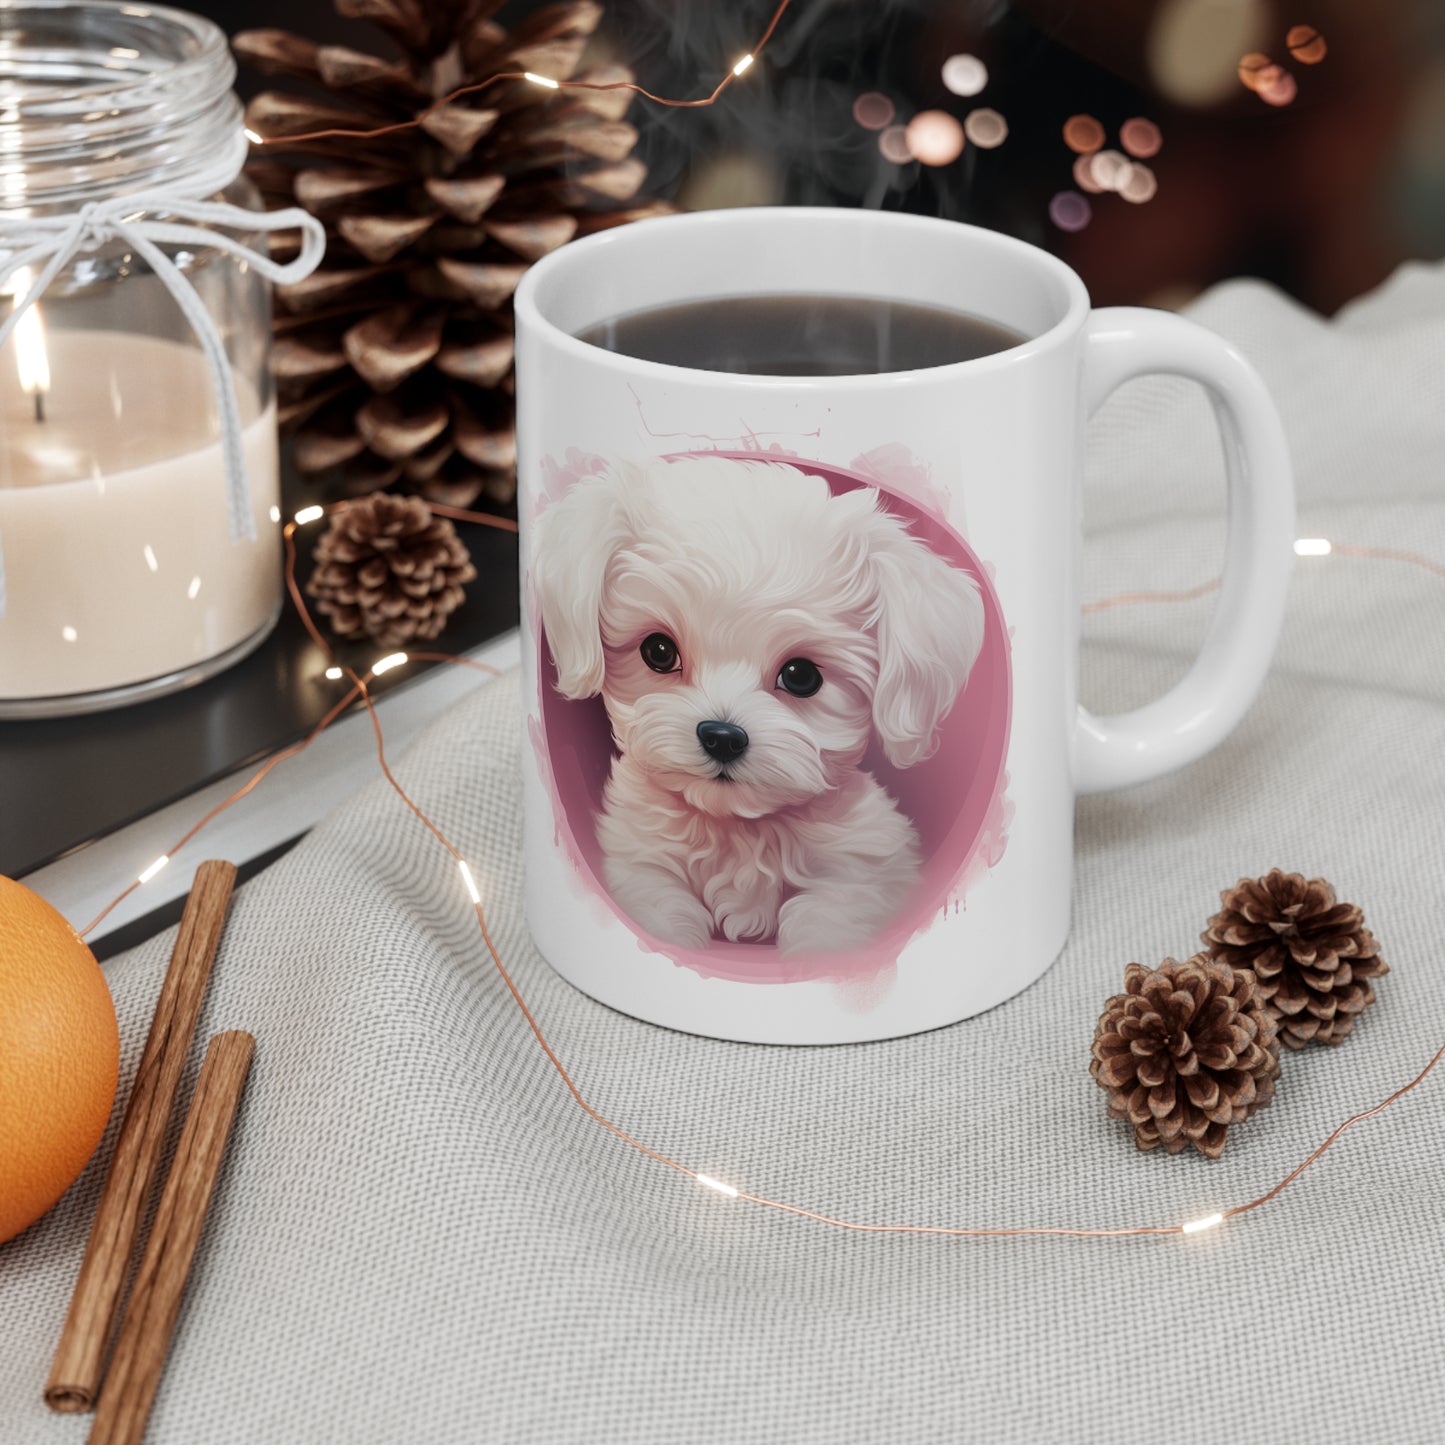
(418, 1237)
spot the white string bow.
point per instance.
(52, 242)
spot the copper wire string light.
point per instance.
(360, 690)
(546, 82)
(1304, 547)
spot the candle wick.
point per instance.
(39, 404)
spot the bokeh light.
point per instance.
(1252, 66)
(1306, 44)
(1277, 87)
(893, 142)
(1140, 184)
(1266, 76)
(1193, 47)
(1140, 137)
(1084, 175)
(1070, 211)
(934, 137)
(965, 74)
(1110, 170)
(873, 111)
(1082, 133)
(985, 128)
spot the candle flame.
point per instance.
(31, 359)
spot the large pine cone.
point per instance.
(1187, 1050)
(388, 570)
(1313, 956)
(394, 359)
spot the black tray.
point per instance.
(66, 781)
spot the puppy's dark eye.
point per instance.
(659, 652)
(800, 677)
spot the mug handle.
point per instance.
(1195, 715)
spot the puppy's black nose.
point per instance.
(722, 740)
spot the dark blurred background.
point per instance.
(1302, 141)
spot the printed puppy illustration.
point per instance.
(750, 633)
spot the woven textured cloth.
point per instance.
(419, 1237)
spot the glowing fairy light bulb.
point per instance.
(149, 873)
(256, 140)
(708, 1182)
(543, 80)
(742, 64)
(1195, 1226)
(1313, 547)
(472, 890)
(385, 664)
(309, 514)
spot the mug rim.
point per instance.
(529, 305)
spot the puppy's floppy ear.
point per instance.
(929, 630)
(574, 542)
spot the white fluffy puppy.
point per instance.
(748, 631)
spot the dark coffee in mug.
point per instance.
(801, 335)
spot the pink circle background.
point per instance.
(960, 828)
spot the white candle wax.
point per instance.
(114, 521)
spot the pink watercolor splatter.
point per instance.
(894, 468)
(748, 439)
(989, 850)
(558, 478)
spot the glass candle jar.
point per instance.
(134, 562)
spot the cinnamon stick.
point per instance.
(79, 1362)
(155, 1298)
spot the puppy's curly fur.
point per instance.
(746, 570)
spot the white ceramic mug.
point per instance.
(801, 654)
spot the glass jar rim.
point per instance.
(104, 97)
(210, 45)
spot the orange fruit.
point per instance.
(59, 1056)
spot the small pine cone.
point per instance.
(1185, 1051)
(1312, 956)
(387, 569)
